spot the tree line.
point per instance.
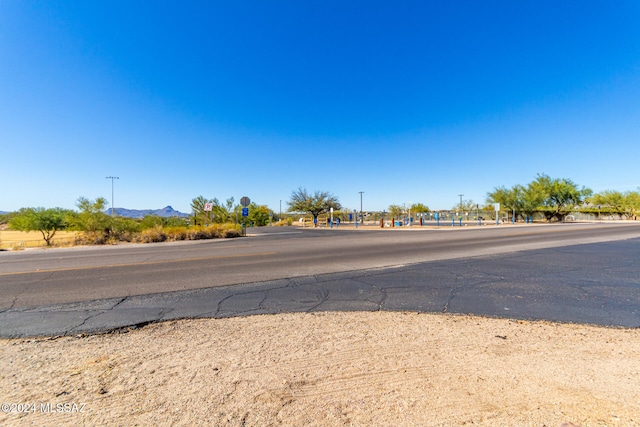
(95, 226)
(555, 198)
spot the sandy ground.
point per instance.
(327, 369)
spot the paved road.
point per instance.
(545, 272)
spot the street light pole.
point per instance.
(460, 195)
(112, 178)
(361, 217)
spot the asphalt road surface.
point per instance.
(566, 272)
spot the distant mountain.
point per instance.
(165, 212)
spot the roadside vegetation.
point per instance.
(46, 221)
(556, 198)
(550, 199)
(93, 226)
(545, 198)
(212, 211)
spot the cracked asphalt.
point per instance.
(596, 283)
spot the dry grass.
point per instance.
(33, 239)
(17, 240)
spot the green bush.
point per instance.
(123, 230)
(91, 217)
(150, 221)
(175, 221)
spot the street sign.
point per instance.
(245, 201)
(245, 211)
(208, 207)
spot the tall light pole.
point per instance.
(460, 195)
(280, 218)
(361, 217)
(112, 178)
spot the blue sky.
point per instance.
(406, 101)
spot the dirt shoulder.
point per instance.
(326, 369)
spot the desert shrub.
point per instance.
(112, 239)
(121, 236)
(151, 235)
(214, 231)
(126, 224)
(123, 230)
(175, 221)
(90, 238)
(229, 230)
(194, 233)
(176, 233)
(156, 234)
(150, 221)
(217, 230)
(200, 233)
(232, 232)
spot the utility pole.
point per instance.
(112, 178)
(460, 195)
(361, 217)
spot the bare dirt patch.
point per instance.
(327, 369)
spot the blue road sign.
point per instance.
(245, 211)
